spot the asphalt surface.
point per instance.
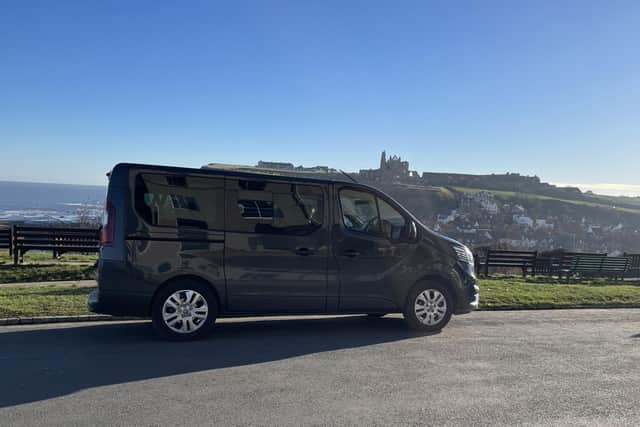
(556, 367)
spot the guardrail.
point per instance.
(21, 239)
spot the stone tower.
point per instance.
(383, 160)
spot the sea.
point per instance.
(33, 203)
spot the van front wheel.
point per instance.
(429, 307)
(184, 311)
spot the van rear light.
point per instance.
(108, 225)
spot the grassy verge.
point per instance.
(507, 292)
(40, 266)
(37, 257)
(67, 300)
(45, 272)
(50, 300)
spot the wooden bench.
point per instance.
(593, 265)
(523, 260)
(568, 261)
(633, 269)
(547, 265)
(614, 267)
(5, 239)
(57, 240)
(586, 264)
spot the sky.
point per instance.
(547, 88)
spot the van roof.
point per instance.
(240, 171)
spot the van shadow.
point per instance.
(46, 363)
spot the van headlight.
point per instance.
(465, 258)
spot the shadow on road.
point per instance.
(45, 363)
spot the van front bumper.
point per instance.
(469, 299)
(476, 298)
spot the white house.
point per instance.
(543, 224)
(523, 220)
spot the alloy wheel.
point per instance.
(430, 307)
(185, 311)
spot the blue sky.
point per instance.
(550, 88)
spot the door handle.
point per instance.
(351, 253)
(304, 251)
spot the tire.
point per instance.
(185, 310)
(438, 307)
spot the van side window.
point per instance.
(273, 207)
(256, 209)
(392, 222)
(365, 213)
(359, 211)
(180, 201)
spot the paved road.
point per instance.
(562, 367)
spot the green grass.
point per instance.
(40, 266)
(45, 272)
(513, 194)
(505, 292)
(67, 300)
(32, 257)
(50, 300)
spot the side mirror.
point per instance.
(406, 233)
(413, 230)
(410, 232)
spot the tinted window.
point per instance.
(365, 213)
(272, 207)
(180, 201)
(359, 211)
(392, 222)
(256, 209)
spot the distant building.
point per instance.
(275, 165)
(484, 200)
(543, 224)
(324, 169)
(523, 220)
(391, 169)
(446, 219)
(594, 229)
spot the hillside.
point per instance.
(510, 219)
(620, 204)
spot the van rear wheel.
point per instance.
(184, 310)
(429, 307)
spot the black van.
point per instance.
(186, 246)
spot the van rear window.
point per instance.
(179, 201)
